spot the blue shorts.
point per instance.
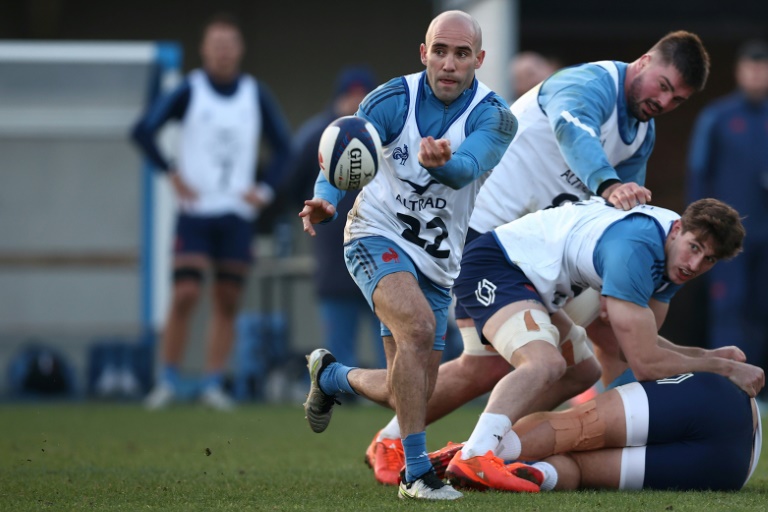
(371, 258)
(221, 238)
(488, 282)
(700, 433)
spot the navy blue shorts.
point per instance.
(700, 433)
(221, 238)
(459, 310)
(487, 281)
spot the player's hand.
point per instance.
(183, 191)
(626, 196)
(259, 196)
(315, 211)
(750, 379)
(730, 352)
(434, 153)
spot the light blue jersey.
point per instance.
(575, 133)
(625, 252)
(591, 244)
(489, 128)
(426, 211)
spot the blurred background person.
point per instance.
(223, 113)
(728, 159)
(527, 69)
(342, 306)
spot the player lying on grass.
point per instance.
(662, 434)
(515, 279)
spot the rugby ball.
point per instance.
(349, 153)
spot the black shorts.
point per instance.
(221, 238)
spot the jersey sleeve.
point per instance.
(627, 257)
(577, 101)
(386, 108)
(324, 190)
(163, 109)
(491, 126)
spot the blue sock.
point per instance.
(333, 379)
(416, 458)
(214, 379)
(170, 375)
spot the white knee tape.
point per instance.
(584, 308)
(472, 344)
(575, 346)
(522, 328)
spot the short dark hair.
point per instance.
(222, 18)
(686, 52)
(713, 220)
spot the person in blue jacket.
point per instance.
(223, 114)
(728, 159)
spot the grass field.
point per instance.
(91, 456)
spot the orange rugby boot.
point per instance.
(485, 472)
(526, 472)
(386, 457)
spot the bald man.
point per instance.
(405, 234)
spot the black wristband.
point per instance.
(604, 185)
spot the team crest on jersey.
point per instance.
(486, 292)
(401, 154)
(677, 379)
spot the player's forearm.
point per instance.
(459, 171)
(328, 192)
(686, 351)
(480, 152)
(667, 363)
(144, 137)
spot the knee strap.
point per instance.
(473, 346)
(230, 277)
(575, 346)
(188, 274)
(522, 328)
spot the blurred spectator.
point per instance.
(342, 306)
(223, 113)
(527, 69)
(728, 159)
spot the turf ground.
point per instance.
(91, 456)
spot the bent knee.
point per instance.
(551, 366)
(483, 369)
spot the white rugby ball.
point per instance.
(349, 153)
